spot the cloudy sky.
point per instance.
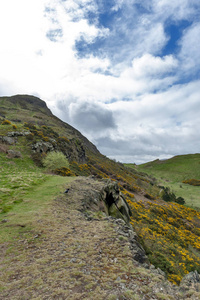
(126, 73)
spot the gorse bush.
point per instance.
(194, 182)
(30, 125)
(64, 172)
(170, 235)
(55, 160)
(6, 122)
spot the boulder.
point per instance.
(14, 154)
(18, 133)
(7, 140)
(115, 203)
(190, 279)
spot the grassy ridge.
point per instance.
(178, 168)
(173, 172)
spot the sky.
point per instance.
(125, 73)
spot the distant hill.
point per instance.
(174, 173)
(180, 167)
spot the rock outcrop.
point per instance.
(115, 204)
(8, 140)
(137, 250)
(43, 147)
(106, 197)
(72, 150)
(18, 133)
(191, 278)
(11, 137)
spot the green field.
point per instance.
(170, 173)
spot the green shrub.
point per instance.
(180, 200)
(170, 197)
(55, 160)
(149, 196)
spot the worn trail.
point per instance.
(77, 254)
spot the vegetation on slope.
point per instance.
(169, 232)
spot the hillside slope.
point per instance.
(25, 108)
(168, 232)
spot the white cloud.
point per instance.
(149, 65)
(32, 62)
(77, 9)
(177, 10)
(190, 49)
(151, 37)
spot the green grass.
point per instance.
(172, 172)
(25, 191)
(34, 205)
(18, 176)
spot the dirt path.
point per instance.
(74, 257)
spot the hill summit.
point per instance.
(32, 110)
(27, 102)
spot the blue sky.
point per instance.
(126, 73)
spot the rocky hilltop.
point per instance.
(25, 108)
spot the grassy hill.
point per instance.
(169, 232)
(174, 173)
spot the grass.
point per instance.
(25, 191)
(34, 205)
(172, 172)
(18, 176)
